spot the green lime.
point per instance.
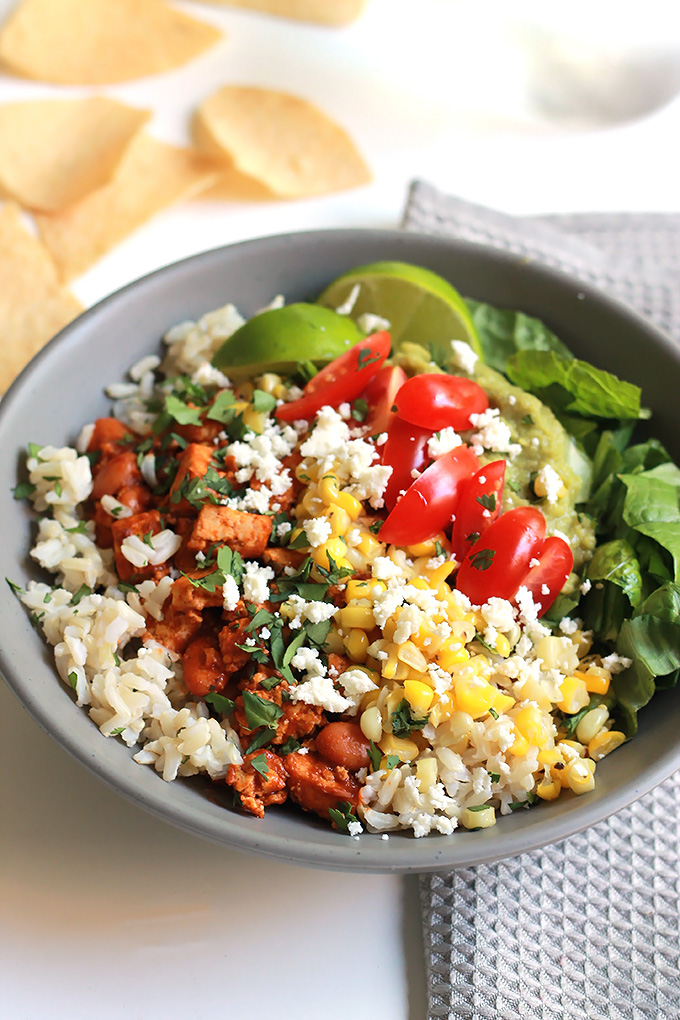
(276, 340)
(421, 307)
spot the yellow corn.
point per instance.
(571, 749)
(371, 724)
(474, 697)
(391, 668)
(419, 582)
(580, 775)
(330, 492)
(354, 616)
(530, 723)
(444, 709)
(460, 724)
(604, 743)
(573, 695)
(255, 420)
(549, 789)
(411, 656)
(596, 679)
(311, 502)
(427, 548)
(334, 548)
(369, 700)
(520, 746)
(438, 576)
(363, 589)
(305, 472)
(503, 646)
(548, 756)
(268, 382)
(591, 724)
(339, 520)
(418, 695)
(583, 641)
(502, 702)
(369, 546)
(478, 819)
(405, 750)
(426, 773)
(451, 653)
(356, 645)
(558, 773)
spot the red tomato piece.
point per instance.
(478, 507)
(429, 503)
(499, 561)
(380, 395)
(435, 401)
(546, 578)
(405, 451)
(341, 380)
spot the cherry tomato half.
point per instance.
(498, 563)
(427, 506)
(341, 380)
(405, 451)
(478, 507)
(435, 401)
(380, 394)
(546, 578)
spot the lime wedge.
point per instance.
(276, 340)
(421, 307)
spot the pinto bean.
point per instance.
(343, 743)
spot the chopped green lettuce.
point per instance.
(504, 333)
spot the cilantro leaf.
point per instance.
(359, 409)
(225, 706)
(263, 402)
(375, 756)
(260, 765)
(487, 500)
(23, 490)
(14, 586)
(404, 721)
(262, 739)
(391, 761)
(181, 412)
(222, 409)
(342, 816)
(482, 559)
(260, 711)
(80, 594)
(73, 679)
(289, 746)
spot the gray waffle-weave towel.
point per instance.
(588, 929)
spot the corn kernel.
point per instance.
(503, 646)
(604, 743)
(333, 548)
(548, 756)
(268, 382)
(480, 818)
(305, 472)
(460, 725)
(412, 656)
(438, 576)
(339, 520)
(392, 669)
(255, 420)
(371, 724)
(573, 695)
(580, 775)
(312, 504)
(451, 653)
(334, 643)
(474, 697)
(558, 773)
(363, 589)
(570, 749)
(356, 645)
(420, 583)
(596, 679)
(369, 700)
(591, 724)
(427, 548)
(502, 702)
(405, 749)
(520, 746)
(530, 723)
(583, 641)
(369, 545)
(354, 616)
(549, 789)
(295, 534)
(426, 773)
(329, 488)
(418, 695)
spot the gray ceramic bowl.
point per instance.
(62, 388)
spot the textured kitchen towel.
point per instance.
(588, 929)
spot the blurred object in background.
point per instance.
(597, 63)
(327, 12)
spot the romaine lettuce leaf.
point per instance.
(652, 507)
(503, 333)
(569, 386)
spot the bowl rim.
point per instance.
(349, 854)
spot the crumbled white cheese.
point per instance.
(255, 578)
(308, 661)
(586, 586)
(492, 433)
(616, 663)
(499, 613)
(318, 530)
(230, 594)
(551, 482)
(384, 568)
(315, 612)
(369, 323)
(443, 442)
(464, 357)
(319, 691)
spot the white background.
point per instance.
(105, 911)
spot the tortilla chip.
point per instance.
(280, 140)
(151, 176)
(96, 42)
(327, 12)
(53, 152)
(33, 305)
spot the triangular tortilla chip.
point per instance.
(282, 141)
(151, 176)
(55, 151)
(33, 305)
(96, 42)
(327, 12)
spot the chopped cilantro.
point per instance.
(439, 549)
(304, 371)
(124, 586)
(34, 450)
(80, 529)
(483, 559)
(487, 500)
(263, 402)
(479, 807)
(180, 412)
(376, 526)
(493, 713)
(73, 679)
(342, 816)
(146, 538)
(23, 490)
(225, 706)
(14, 586)
(260, 765)
(57, 488)
(80, 594)
(263, 738)
(391, 761)
(333, 574)
(117, 732)
(366, 357)
(472, 537)
(300, 541)
(495, 777)
(359, 409)
(116, 659)
(289, 746)
(222, 408)
(260, 711)
(404, 721)
(527, 420)
(375, 756)
(180, 440)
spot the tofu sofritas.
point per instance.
(226, 604)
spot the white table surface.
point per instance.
(105, 911)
